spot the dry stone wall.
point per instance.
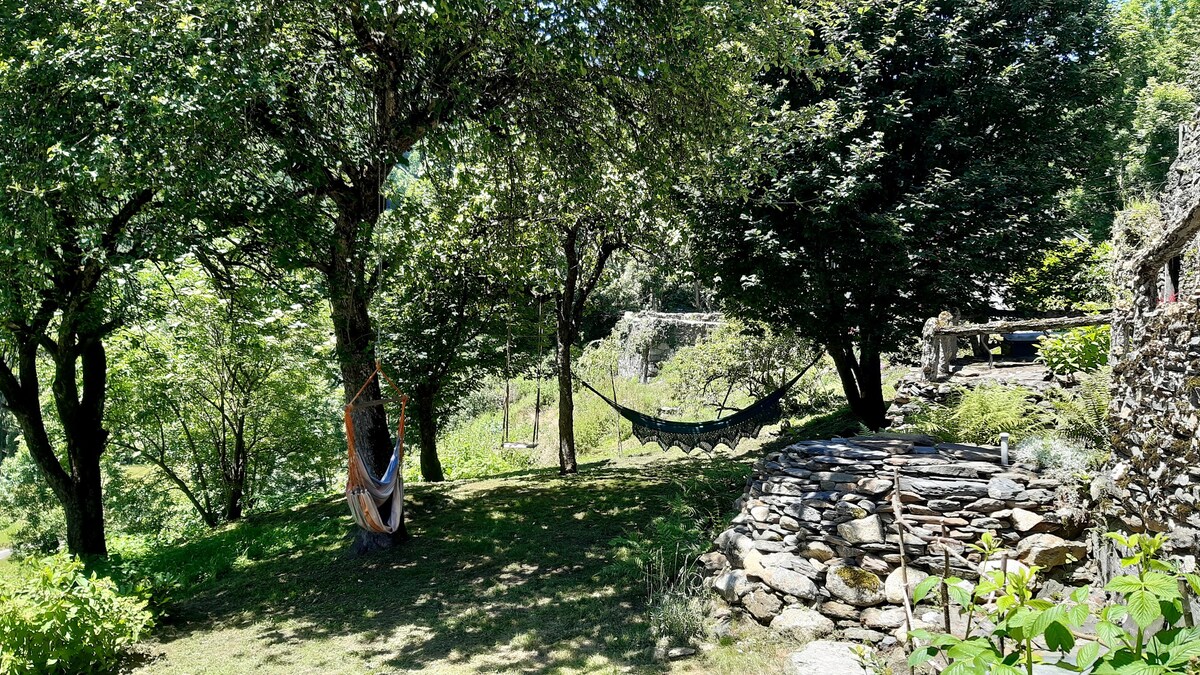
(816, 527)
(650, 338)
(1156, 363)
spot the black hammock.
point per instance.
(745, 423)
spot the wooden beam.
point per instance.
(1171, 244)
(993, 327)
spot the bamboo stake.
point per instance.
(908, 611)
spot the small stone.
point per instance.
(825, 657)
(893, 586)
(839, 610)
(886, 618)
(789, 583)
(760, 513)
(1024, 520)
(802, 623)
(679, 652)
(713, 561)
(867, 530)
(762, 605)
(1002, 487)
(1047, 550)
(874, 564)
(731, 585)
(854, 585)
(817, 550)
(863, 635)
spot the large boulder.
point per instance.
(824, 657)
(854, 585)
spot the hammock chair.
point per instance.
(376, 503)
(745, 423)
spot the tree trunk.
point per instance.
(349, 299)
(431, 466)
(84, 508)
(566, 401)
(862, 383)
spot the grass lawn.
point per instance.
(505, 574)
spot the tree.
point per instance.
(451, 294)
(1158, 53)
(222, 385)
(925, 155)
(359, 86)
(95, 103)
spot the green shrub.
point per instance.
(58, 619)
(1143, 631)
(981, 414)
(26, 499)
(1079, 349)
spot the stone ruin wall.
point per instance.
(1156, 367)
(648, 339)
(816, 528)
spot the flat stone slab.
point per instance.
(824, 657)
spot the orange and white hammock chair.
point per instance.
(377, 503)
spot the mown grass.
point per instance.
(509, 574)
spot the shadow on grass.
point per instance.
(500, 574)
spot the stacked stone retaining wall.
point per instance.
(816, 526)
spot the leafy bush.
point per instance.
(981, 414)
(746, 359)
(1073, 274)
(57, 619)
(1079, 349)
(26, 499)
(1009, 621)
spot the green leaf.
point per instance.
(1143, 608)
(1087, 655)
(922, 589)
(1124, 584)
(1164, 586)
(1059, 638)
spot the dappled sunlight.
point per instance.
(500, 574)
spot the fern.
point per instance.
(1083, 417)
(980, 415)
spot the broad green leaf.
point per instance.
(1143, 608)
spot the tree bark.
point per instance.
(566, 404)
(862, 383)
(431, 466)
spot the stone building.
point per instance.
(1156, 355)
(649, 338)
